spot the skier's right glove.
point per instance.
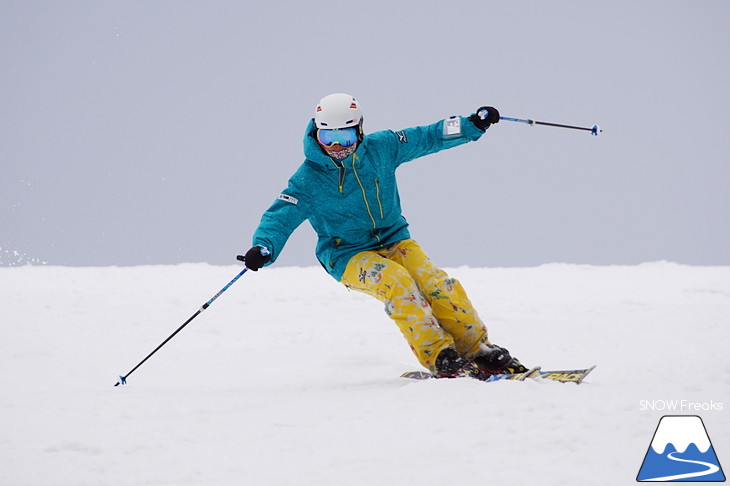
(255, 258)
(484, 117)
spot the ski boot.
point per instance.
(450, 364)
(496, 360)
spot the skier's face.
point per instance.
(335, 149)
(339, 152)
(338, 143)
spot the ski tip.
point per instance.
(417, 375)
(588, 370)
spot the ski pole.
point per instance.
(123, 379)
(595, 129)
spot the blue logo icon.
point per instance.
(681, 451)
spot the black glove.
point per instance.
(255, 258)
(485, 116)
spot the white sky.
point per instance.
(158, 132)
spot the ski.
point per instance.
(565, 376)
(515, 376)
(561, 376)
(425, 375)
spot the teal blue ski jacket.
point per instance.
(353, 205)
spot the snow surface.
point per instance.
(289, 379)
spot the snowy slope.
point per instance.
(290, 379)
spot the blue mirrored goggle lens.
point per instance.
(343, 136)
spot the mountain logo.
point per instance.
(681, 451)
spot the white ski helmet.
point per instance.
(338, 110)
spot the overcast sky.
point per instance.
(145, 132)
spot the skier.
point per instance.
(347, 190)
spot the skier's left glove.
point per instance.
(255, 258)
(484, 117)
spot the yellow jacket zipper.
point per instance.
(377, 196)
(340, 174)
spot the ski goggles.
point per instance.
(341, 136)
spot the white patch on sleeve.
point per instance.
(288, 198)
(452, 127)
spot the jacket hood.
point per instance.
(313, 151)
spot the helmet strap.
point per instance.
(360, 133)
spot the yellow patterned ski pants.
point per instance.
(430, 308)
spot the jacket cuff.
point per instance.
(470, 131)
